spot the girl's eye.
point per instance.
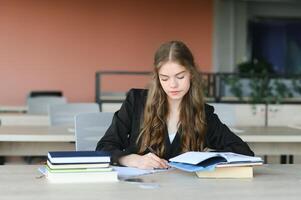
(164, 79)
(180, 77)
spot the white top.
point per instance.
(171, 137)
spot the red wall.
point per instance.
(60, 44)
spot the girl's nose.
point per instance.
(173, 83)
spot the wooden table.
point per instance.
(272, 140)
(23, 119)
(13, 109)
(34, 140)
(38, 140)
(272, 182)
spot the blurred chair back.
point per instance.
(39, 105)
(52, 93)
(64, 114)
(110, 107)
(89, 129)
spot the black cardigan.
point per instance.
(120, 138)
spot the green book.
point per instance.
(80, 170)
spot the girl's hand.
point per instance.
(147, 161)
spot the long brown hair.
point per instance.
(192, 114)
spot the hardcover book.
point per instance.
(227, 172)
(76, 157)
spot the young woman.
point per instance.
(168, 119)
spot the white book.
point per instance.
(81, 177)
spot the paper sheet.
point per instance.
(126, 172)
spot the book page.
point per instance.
(233, 158)
(193, 157)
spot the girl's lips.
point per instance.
(174, 92)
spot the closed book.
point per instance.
(207, 161)
(81, 177)
(76, 166)
(227, 172)
(72, 157)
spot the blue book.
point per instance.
(78, 157)
(207, 161)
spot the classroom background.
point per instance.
(79, 51)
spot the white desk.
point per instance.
(272, 140)
(13, 109)
(34, 140)
(22, 119)
(273, 182)
(38, 140)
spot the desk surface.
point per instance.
(272, 140)
(19, 119)
(34, 140)
(12, 109)
(46, 133)
(38, 140)
(269, 134)
(36, 134)
(270, 182)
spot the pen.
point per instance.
(151, 150)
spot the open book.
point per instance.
(207, 161)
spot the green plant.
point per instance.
(235, 85)
(260, 88)
(263, 88)
(280, 91)
(256, 66)
(297, 85)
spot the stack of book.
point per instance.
(216, 165)
(79, 167)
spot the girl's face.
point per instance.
(175, 80)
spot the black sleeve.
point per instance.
(116, 137)
(220, 138)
